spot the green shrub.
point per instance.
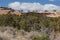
(43, 37)
(30, 21)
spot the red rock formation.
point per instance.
(6, 11)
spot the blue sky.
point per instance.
(6, 2)
(31, 4)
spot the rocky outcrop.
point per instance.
(4, 10)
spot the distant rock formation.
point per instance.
(5, 10)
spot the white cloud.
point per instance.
(50, 7)
(15, 5)
(32, 6)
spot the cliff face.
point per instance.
(7, 10)
(4, 10)
(57, 14)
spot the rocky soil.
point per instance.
(9, 33)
